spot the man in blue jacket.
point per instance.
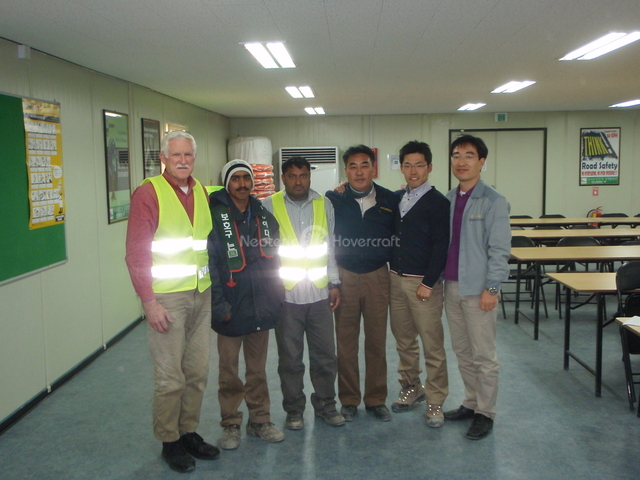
(476, 266)
(246, 298)
(364, 237)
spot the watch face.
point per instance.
(493, 291)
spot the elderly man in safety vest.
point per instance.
(312, 293)
(169, 222)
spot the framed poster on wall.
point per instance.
(116, 149)
(599, 156)
(151, 147)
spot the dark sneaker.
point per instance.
(381, 412)
(460, 413)
(349, 412)
(332, 418)
(177, 457)
(409, 396)
(480, 427)
(294, 421)
(197, 447)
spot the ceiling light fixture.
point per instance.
(319, 110)
(266, 59)
(281, 55)
(472, 106)
(310, 111)
(299, 92)
(294, 92)
(513, 86)
(307, 92)
(602, 45)
(630, 103)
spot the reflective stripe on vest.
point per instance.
(300, 262)
(179, 249)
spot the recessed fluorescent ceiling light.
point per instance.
(606, 44)
(294, 92)
(299, 92)
(513, 87)
(266, 60)
(280, 53)
(307, 92)
(310, 111)
(320, 110)
(472, 106)
(630, 103)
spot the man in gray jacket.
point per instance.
(476, 266)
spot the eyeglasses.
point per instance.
(417, 166)
(460, 157)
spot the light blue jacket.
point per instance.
(485, 240)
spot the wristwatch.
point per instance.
(493, 290)
(334, 285)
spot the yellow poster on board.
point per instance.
(44, 163)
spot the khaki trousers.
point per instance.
(255, 390)
(410, 318)
(180, 363)
(473, 338)
(363, 295)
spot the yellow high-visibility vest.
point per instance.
(179, 249)
(300, 262)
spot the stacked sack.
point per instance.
(263, 185)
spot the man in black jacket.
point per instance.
(246, 296)
(422, 228)
(364, 237)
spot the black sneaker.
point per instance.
(381, 412)
(197, 447)
(349, 412)
(480, 427)
(460, 413)
(177, 457)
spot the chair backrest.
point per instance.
(581, 226)
(552, 215)
(614, 215)
(520, 241)
(547, 227)
(524, 216)
(578, 242)
(628, 276)
(631, 242)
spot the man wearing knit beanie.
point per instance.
(247, 294)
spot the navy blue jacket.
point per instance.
(423, 238)
(363, 243)
(258, 295)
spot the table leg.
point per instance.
(518, 277)
(600, 327)
(536, 299)
(567, 327)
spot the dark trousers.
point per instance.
(316, 321)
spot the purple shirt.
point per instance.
(453, 257)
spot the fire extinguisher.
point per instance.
(594, 213)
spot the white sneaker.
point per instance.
(230, 439)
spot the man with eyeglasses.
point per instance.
(417, 262)
(476, 266)
(312, 293)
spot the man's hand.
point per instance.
(487, 301)
(342, 186)
(423, 293)
(334, 298)
(157, 316)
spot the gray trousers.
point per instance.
(316, 320)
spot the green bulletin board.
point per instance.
(22, 251)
